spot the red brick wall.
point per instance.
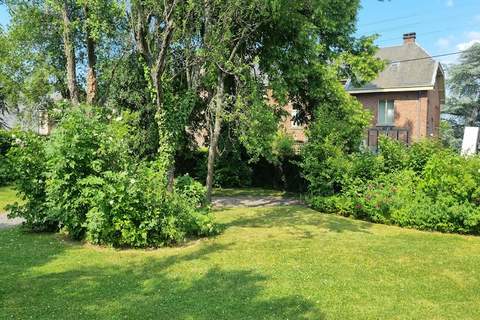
(416, 111)
(411, 110)
(434, 108)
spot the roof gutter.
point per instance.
(427, 88)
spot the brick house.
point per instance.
(405, 98)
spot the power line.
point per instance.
(431, 57)
(423, 34)
(389, 20)
(416, 23)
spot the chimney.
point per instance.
(409, 38)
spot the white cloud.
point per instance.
(473, 38)
(449, 3)
(444, 42)
(473, 35)
(465, 45)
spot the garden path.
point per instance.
(218, 202)
(5, 222)
(253, 201)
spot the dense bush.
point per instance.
(423, 186)
(336, 132)
(28, 159)
(133, 209)
(86, 181)
(192, 190)
(6, 140)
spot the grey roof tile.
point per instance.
(406, 74)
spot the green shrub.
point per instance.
(333, 204)
(444, 196)
(421, 212)
(28, 164)
(420, 153)
(134, 209)
(191, 190)
(394, 154)
(86, 181)
(363, 166)
(374, 200)
(82, 145)
(452, 177)
(6, 141)
(335, 133)
(231, 167)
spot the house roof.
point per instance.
(418, 73)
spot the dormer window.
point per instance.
(394, 66)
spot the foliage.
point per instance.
(134, 209)
(421, 152)
(232, 169)
(80, 147)
(450, 135)
(423, 186)
(335, 133)
(394, 154)
(28, 159)
(237, 171)
(6, 141)
(86, 180)
(463, 105)
(185, 64)
(257, 122)
(283, 146)
(192, 190)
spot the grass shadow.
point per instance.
(297, 216)
(156, 288)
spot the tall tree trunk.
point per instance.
(69, 51)
(157, 65)
(91, 65)
(212, 149)
(167, 145)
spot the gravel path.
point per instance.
(8, 223)
(218, 202)
(252, 201)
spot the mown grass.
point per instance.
(252, 192)
(7, 196)
(270, 263)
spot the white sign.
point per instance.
(470, 141)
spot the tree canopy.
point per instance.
(188, 68)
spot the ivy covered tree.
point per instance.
(204, 65)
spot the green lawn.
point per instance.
(257, 192)
(270, 263)
(7, 196)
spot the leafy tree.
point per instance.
(463, 106)
(283, 47)
(31, 59)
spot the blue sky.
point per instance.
(442, 26)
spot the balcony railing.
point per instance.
(401, 134)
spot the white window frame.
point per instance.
(385, 104)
